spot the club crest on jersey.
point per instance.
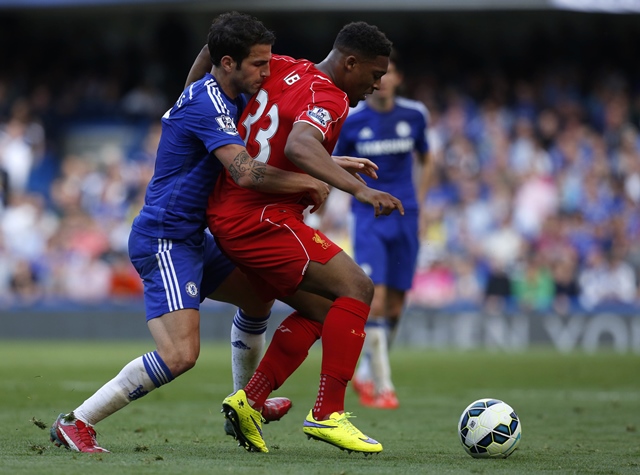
(226, 125)
(319, 115)
(317, 239)
(192, 289)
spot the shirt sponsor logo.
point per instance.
(384, 147)
(319, 115)
(226, 125)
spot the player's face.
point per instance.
(364, 78)
(254, 69)
(389, 82)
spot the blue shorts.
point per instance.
(387, 248)
(177, 274)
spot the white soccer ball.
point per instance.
(489, 428)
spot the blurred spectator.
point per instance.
(533, 287)
(565, 283)
(544, 164)
(434, 286)
(25, 284)
(606, 279)
(468, 283)
(125, 281)
(498, 290)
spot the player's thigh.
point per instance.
(171, 271)
(339, 277)
(308, 305)
(403, 254)
(370, 251)
(217, 268)
(237, 290)
(277, 253)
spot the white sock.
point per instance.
(135, 380)
(363, 372)
(380, 367)
(247, 345)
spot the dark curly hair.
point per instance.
(233, 34)
(360, 38)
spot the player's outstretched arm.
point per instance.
(304, 148)
(255, 175)
(201, 66)
(357, 165)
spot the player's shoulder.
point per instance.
(282, 63)
(412, 104)
(207, 95)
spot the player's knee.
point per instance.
(182, 361)
(362, 288)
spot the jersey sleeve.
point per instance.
(213, 125)
(326, 108)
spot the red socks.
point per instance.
(288, 349)
(342, 340)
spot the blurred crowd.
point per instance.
(535, 202)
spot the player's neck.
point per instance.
(224, 82)
(325, 68)
(328, 66)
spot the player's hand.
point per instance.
(355, 165)
(316, 195)
(383, 203)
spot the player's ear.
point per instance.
(227, 63)
(350, 62)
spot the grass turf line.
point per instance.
(580, 414)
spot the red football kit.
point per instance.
(264, 233)
(266, 236)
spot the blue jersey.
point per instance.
(203, 119)
(389, 140)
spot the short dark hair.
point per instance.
(233, 34)
(360, 38)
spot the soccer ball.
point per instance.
(489, 428)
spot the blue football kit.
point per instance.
(169, 245)
(387, 247)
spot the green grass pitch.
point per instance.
(580, 414)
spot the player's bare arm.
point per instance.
(252, 174)
(357, 165)
(201, 66)
(304, 148)
(244, 165)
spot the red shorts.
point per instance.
(276, 252)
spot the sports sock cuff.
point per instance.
(311, 326)
(353, 306)
(253, 326)
(157, 370)
(376, 322)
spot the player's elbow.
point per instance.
(295, 150)
(245, 181)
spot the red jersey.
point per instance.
(265, 125)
